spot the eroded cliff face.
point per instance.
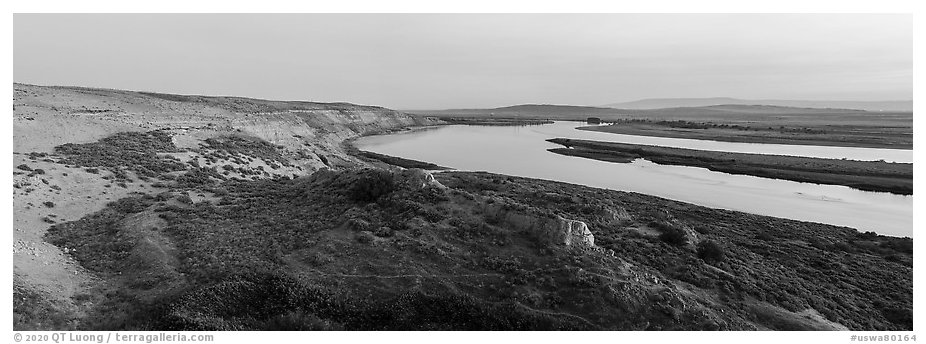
(45, 117)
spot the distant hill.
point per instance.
(727, 109)
(713, 112)
(661, 103)
(527, 111)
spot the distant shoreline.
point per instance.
(746, 137)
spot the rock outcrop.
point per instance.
(551, 229)
(571, 233)
(416, 178)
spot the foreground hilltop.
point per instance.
(162, 212)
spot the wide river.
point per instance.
(522, 151)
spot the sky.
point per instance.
(444, 61)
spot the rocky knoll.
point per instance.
(553, 229)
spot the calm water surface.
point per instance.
(522, 151)
(851, 153)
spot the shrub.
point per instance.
(710, 252)
(24, 167)
(671, 234)
(49, 204)
(372, 185)
(765, 236)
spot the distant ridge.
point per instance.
(538, 107)
(572, 112)
(526, 111)
(662, 103)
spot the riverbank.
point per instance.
(372, 157)
(381, 160)
(494, 121)
(878, 176)
(830, 134)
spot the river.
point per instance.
(522, 151)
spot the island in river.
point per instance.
(863, 175)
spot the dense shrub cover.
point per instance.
(372, 185)
(134, 151)
(283, 254)
(710, 252)
(230, 146)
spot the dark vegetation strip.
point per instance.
(401, 162)
(495, 121)
(142, 153)
(128, 151)
(878, 176)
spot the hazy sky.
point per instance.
(428, 61)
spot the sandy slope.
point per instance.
(45, 117)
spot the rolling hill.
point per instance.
(725, 112)
(661, 103)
